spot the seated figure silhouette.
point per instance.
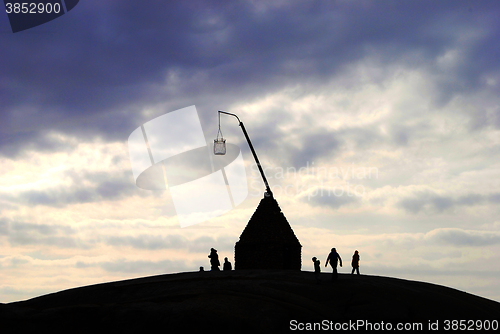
(317, 269)
(333, 258)
(355, 262)
(214, 260)
(227, 265)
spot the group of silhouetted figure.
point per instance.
(215, 263)
(335, 259)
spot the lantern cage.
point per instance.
(219, 146)
(219, 143)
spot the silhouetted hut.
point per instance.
(268, 241)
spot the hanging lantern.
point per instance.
(219, 146)
(219, 143)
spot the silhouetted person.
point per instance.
(201, 269)
(333, 258)
(214, 259)
(317, 269)
(355, 262)
(227, 265)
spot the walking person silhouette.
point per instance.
(214, 259)
(355, 262)
(333, 258)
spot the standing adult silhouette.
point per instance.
(227, 265)
(355, 262)
(214, 260)
(334, 258)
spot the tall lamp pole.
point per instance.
(268, 190)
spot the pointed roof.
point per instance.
(268, 224)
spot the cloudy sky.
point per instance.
(378, 123)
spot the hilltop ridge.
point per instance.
(246, 300)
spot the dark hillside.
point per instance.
(239, 301)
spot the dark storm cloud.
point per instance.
(4, 226)
(12, 142)
(104, 61)
(150, 242)
(143, 266)
(429, 201)
(362, 137)
(55, 241)
(138, 267)
(324, 196)
(461, 238)
(43, 229)
(202, 244)
(425, 200)
(21, 233)
(313, 146)
(103, 186)
(294, 149)
(472, 199)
